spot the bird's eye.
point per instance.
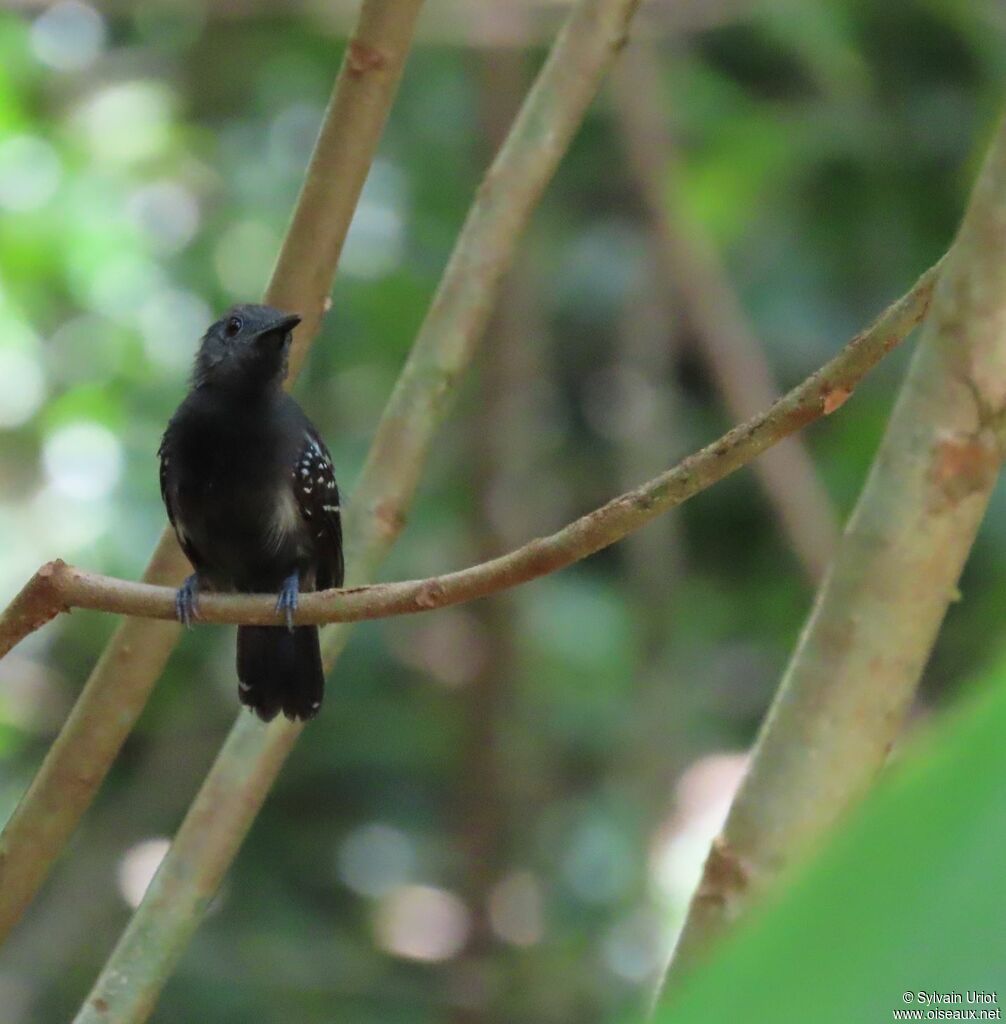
(233, 326)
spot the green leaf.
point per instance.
(908, 898)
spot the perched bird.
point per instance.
(251, 494)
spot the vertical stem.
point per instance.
(648, 342)
(480, 808)
(854, 673)
(660, 734)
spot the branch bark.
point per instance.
(123, 678)
(854, 673)
(252, 755)
(57, 586)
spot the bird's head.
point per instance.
(246, 349)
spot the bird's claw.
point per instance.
(289, 594)
(187, 601)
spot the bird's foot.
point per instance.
(187, 601)
(289, 593)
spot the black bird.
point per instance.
(250, 490)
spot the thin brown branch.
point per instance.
(121, 682)
(59, 586)
(853, 676)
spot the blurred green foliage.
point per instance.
(499, 813)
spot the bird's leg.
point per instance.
(289, 593)
(187, 601)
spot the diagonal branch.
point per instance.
(854, 673)
(244, 770)
(57, 586)
(121, 682)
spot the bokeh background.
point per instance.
(502, 809)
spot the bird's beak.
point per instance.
(278, 332)
(286, 323)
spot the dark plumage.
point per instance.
(250, 490)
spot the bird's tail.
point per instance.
(280, 670)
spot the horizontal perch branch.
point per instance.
(59, 587)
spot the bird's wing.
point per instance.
(164, 454)
(318, 501)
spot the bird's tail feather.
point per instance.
(280, 670)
